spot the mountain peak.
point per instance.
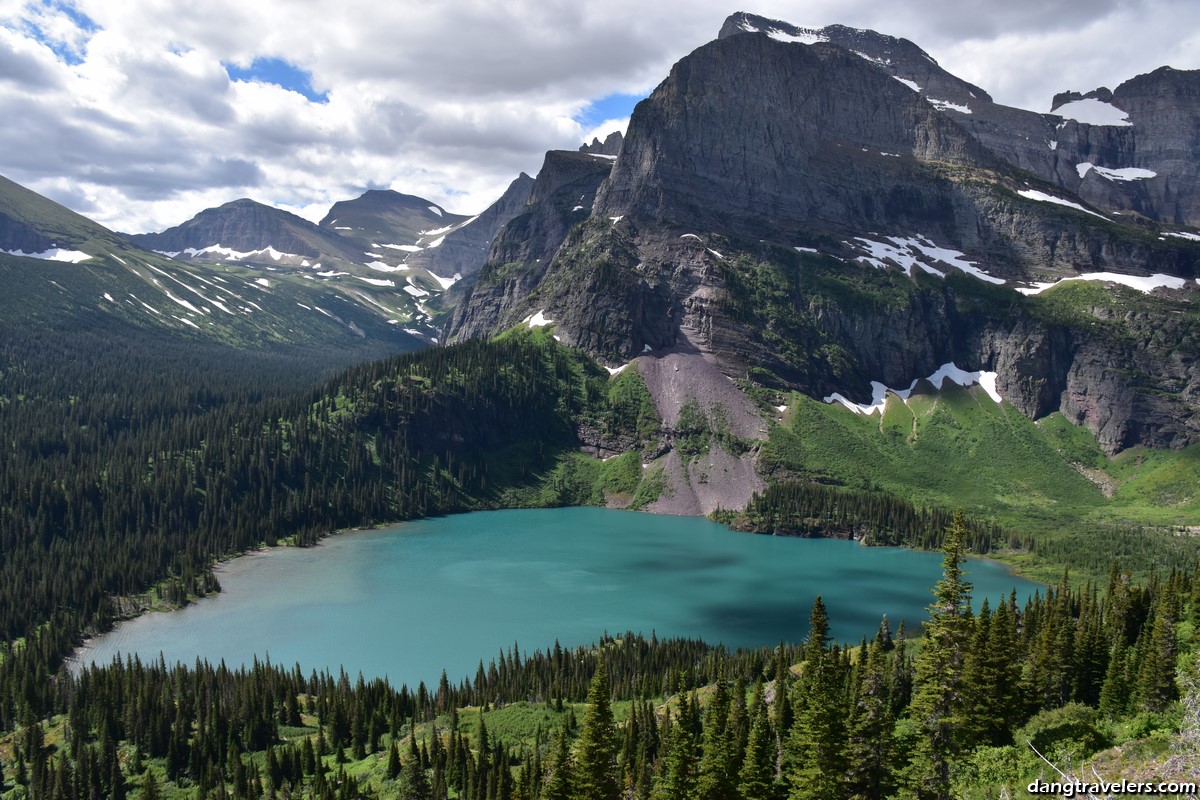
(611, 146)
(898, 57)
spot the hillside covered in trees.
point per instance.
(983, 704)
(133, 464)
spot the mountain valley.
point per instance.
(819, 286)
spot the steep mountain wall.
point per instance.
(917, 206)
(561, 196)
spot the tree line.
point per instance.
(816, 720)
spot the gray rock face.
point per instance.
(464, 250)
(774, 138)
(611, 146)
(765, 135)
(19, 236)
(1126, 390)
(561, 196)
(1162, 134)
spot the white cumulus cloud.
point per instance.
(125, 111)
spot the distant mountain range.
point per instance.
(819, 211)
(373, 272)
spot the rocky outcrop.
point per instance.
(611, 146)
(521, 253)
(1160, 134)
(19, 236)
(760, 136)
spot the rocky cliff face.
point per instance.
(611, 146)
(825, 208)
(19, 236)
(764, 136)
(561, 197)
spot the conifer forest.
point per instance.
(121, 494)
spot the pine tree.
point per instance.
(718, 764)
(756, 781)
(818, 631)
(596, 755)
(871, 725)
(150, 787)
(938, 684)
(815, 755)
(393, 765)
(414, 783)
(1156, 674)
(561, 785)
(680, 764)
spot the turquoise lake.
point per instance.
(409, 600)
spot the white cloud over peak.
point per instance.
(127, 112)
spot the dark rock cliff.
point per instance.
(19, 236)
(850, 146)
(561, 197)
(611, 146)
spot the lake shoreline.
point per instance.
(739, 591)
(236, 563)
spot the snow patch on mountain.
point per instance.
(538, 320)
(948, 371)
(801, 36)
(54, 254)
(1042, 197)
(238, 255)
(1142, 283)
(1093, 112)
(918, 251)
(1122, 174)
(946, 105)
(446, 283)
(182, 302)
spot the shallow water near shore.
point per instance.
(413, 599)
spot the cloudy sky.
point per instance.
(140, 113)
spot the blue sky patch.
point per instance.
(279, 72)
(68, 50)
(613, 106)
